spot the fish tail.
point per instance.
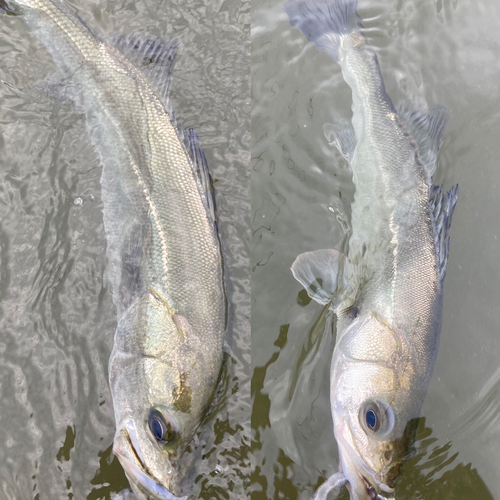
(325, 22)
(10, 8)
(14, 7)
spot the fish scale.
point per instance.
(164, 257)
(387, 292)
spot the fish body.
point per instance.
(164, 258)
(387, 292)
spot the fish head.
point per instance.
(161, 389)
(137, 456)
(375, 406)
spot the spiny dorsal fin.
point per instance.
(442, 205)
(155, 57)
(426, 127)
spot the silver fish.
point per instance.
(164, 258)
(387, 292)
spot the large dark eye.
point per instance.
(372, 420)
(376, 417)
(162, 426)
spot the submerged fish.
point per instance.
(164, 258)
(387, 292)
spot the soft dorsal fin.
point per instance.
(192, 144)
(155, 57)
(426, 127)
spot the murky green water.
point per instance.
(57, 319)
(441, 51)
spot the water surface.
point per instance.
(57, 318)
(445, 52)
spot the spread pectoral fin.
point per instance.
(126, 494)
(342, 135)
(320, 273)
(336, 480)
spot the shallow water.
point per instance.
(445, 52)
(57, 319)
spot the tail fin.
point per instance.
(324, 22)
(10, 8)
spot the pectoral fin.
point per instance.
(320, 273)
(336, 480)
(126, 494)
(342, 135)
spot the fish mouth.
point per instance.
(145, 486)
(371, 490)
(364, 482)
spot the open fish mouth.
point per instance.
(359, 475)
(372, 493)
(136, 471)
(371, 487)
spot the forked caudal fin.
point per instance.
(324, 22)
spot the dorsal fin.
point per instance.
(426, 127)
(442, 205)
(192, 144)
(155, 57)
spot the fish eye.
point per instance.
(162, 426)
(372, 420)
(376, 417)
